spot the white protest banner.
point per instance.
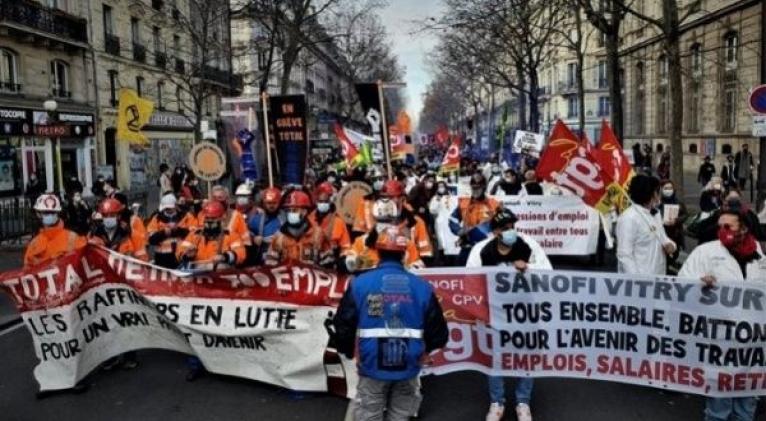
(268, 324)
(666, 333)
(528, 143)
(562, 225)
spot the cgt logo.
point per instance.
(132, 116)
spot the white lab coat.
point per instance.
(713, 259)
(538, 260)
(441, 208)
(640, 240)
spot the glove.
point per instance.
(352, 263)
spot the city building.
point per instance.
(45, 56)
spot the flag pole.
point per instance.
(386, 140)
(264, 105)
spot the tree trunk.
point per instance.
(673, 51)
(615, 84)
(581, 91)
(288, 60)
(534, 103)
(522, 98)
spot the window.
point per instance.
(729, 114)
(694, 107)
(662, 69)
(178, 100)
(208, 111)
(726, 149)
(640, 102)
(602, 78)
(571, 75)
(177, 45)
(731, 43)
(57, 4)
(601, 39)
(60, 79)
(660, 147)
(573, 106)
(107, 17)
(9, 71)
(640, 77)
(135, 31)
(157, 39)
(696, 60)
(160, 89)
(693, 148)
(113, 82)
(662, 110)
(140, 85)
(262, 59)
(603, 106)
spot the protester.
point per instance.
(364, 221)
(420, 196)
(531, 186)
(166, 229)
(734, 256)
(706, 171)
(508, 186)
(393, 191)
(642, 245)
(710, 199)
(265, 224)
(441, 207)
(177, 179)
(663, 168)
(332, 225)
(494, 177)
(743, 166)
(299, 241)
(77, 213)
(469, 221)
(53, 240)
(638, 157)
(244, 210)
(507, 247)
(732, 199)
(395, 336)
(728, 175)
(673, 214)
(648, 159)
(164, 183)
(34, 187)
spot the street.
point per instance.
(157, 390)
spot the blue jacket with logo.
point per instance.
(397, 318)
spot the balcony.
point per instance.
(112, 44)
(9, 86)
(603, 83)
(33, 15)
(139, 53)
(176, 14)
(212, 74)
(180, 66)
(160, 59)
(60, 93)
(567, 88)
(157, 4)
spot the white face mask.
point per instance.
(50, 219)
(429, 185)
(110, 223)
(323, 207)
(377, 185)
(331, 180)
(667, 192)
(243, 201)
(442, 190)
(294, 218)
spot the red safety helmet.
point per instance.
(392, 239)
(324, 188)
(110, 207)
(272, 195)
(213, 209)
(392, 189)
(297, 199)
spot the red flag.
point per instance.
(347, 146)
(451, 161)
(442, 136)
(567, 163)
(611, 157)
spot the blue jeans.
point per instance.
(730, 409)
(497, 390)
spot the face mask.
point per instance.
(331, 180)
(50, 219)
(323, 207)
(110, 223)
(169, 214)
(667, 193)
(442, 190)
(477, 193)
(294, 218)
(495, 171)
(243, 201)
(509, 237)
(377, 185)
(508, 179)
(429, 185)
(717, 187)
(212, 230)
(729, 238)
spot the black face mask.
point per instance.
(212, 230)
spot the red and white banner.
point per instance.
(268, 324)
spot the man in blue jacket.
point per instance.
(399, 322)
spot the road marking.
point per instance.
(12, 328)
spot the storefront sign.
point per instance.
(207, 161)
(169, 121)
(15, 121)
(53, 130)
(26, 122)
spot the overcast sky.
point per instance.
(412, 48)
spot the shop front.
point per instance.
(35, 143)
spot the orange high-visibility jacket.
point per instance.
(334, 229)
(311, 248)
(368, 258)
(206, 249)
(169, 244)
(52, 243)
(363, 219)
(476, 212)
(419, 236)
(128, 245)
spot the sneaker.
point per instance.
(496, 411)
(523, 412)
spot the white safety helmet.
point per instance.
(48, 203)
(385, 210)
(376, 172)
(244, 189)
(168, 201)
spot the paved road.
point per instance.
(157, 390)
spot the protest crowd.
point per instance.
(421, 215)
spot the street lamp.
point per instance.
(50, 107)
